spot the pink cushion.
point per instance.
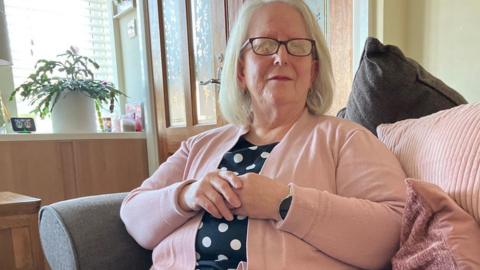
(436, 233)
(442, 149)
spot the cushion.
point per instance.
(389, 87)
(436, 233)
(442, 149)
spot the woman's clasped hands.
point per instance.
(224, 194)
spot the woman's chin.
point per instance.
(284, 102)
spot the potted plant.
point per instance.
(67, 90)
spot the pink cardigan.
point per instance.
(348, 197)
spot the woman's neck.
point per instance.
(270, 127)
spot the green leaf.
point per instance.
(71, 72)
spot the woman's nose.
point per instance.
(281, 56)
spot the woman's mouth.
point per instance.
(279, 78)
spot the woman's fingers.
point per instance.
(215, 194)
(231, 178)
(209, 206)
(219, 203)
(225, 189)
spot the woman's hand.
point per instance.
(260, 195)
(213, 193)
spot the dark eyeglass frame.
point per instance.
(280, 42)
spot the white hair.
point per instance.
(235, 104)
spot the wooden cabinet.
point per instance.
(55, 170)
(19, 239)
(106, 166)
(33, 168)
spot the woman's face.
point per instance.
(281, 79)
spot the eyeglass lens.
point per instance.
(268, 46)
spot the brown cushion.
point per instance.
(436, 233)
(389, 87)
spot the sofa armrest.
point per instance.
(87, 233)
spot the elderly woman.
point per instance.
(282, 186)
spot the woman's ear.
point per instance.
(241, 73)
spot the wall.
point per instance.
(134, 72)
(6, 78)
(130, 67)
(441, 35)
(444, 35)
(6, 88)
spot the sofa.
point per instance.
(426, 124)
(87, 233)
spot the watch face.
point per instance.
(285, 206)
(20, 124)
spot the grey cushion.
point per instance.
(87, 233)
(389, 87)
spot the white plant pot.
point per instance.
(74, 113)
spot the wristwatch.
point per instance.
(285, 204)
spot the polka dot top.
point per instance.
(221, 244)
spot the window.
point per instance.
(44, 29)
(320, 9)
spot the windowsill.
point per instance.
(70, 136)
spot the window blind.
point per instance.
(44, 29)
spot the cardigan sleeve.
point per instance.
(360, 224)
(151, 212)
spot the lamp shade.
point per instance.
(5, 56)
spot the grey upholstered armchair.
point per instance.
(87, 233)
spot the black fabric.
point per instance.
(389, 87)
(221, 244)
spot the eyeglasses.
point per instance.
(268, 46)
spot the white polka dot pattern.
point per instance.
(235, 244)
(220, 242)
(222, 257)
(251, 167)
(222, 227)
(237, 158)
(206, 241)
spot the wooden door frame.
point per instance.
(155, 21)
(168, 138)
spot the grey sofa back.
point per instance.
(87, 233)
